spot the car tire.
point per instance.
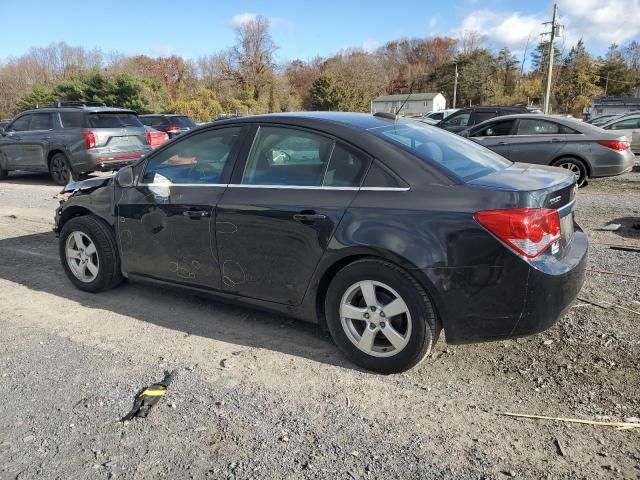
(89, 254)
(60, 171)
(368, 340)
(577, 167)
(4, 174)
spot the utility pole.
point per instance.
(455, 86)
(555, 28)
(606, 84)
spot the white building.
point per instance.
(618, 105)
(414, 104)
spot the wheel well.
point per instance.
(52, 153)
(331, 272)
(575, 157)
(72, 212)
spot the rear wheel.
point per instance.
(379, 316)
(4, 174)
(575, 166)
(89, 254)
(60, 170)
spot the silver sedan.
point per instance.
(588, 151)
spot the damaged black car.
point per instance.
(385, 231)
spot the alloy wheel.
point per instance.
(575, 169)
(59, 170)
(375, 318)
(82, 257)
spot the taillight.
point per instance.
(89, 139)
(528, 231)
(618, 145)
(148, 135)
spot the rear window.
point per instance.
(71, 119)
(182, 121)
(464, 158)
(113, 120)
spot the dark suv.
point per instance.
(67, 141)
(468, 117)
(172, 125)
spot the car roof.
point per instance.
(79, 109)
(163, 115)
(361, 121)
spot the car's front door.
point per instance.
(279, 213)
(495, 136)
(537, 141)
(15, 156)
(165, 222)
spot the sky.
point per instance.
(305, 29)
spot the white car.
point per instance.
(628, 125)
(437, 115)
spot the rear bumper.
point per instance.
(102, 161)
(616, 163)
(493, 302)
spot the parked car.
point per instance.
(155, 138)
(384, 230)
(628, 125)
(4, 123)
(468, 117)
(173, 125)
(599, 120)
(438, 115)
(67, 141)
(584, 149)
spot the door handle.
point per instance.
(195, 213)
(309, 217)
(503, 143)
(555, 140)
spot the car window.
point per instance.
(21, 124)
(465, 159)
(197, 159)
(41, 121)
(626, 124)
(113, 120)
(72, 119)
(481, 116)
(346, 168)
(496, 129)
(435, 116)
(182, 121)
(285, 156)
(460, 120)
(530, 126)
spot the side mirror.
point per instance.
(124, 177)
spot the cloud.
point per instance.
(277, 23)
(370, 45)
(242, 18)
(162, 50)
(433, 22)
(595, 21)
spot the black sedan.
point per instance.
(382, 230)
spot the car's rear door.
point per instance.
(537, 141)
(165, 224)
(279, 213)
(35, 141)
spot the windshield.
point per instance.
(113, 120)
(464, 158)
(183, 121)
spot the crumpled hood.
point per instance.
(89, 184)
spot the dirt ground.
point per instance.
(261, 396)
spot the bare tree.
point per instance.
(470, 41)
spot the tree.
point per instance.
(616, 79)
(327, 94)
(252, 56)
(578, 81)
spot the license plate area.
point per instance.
(566, 228)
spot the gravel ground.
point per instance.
(261, 396)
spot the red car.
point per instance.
(155, 138)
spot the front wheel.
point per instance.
(379, 316)
(575, 166)
(89, 254)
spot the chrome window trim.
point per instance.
(292, 187)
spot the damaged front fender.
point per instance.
(88, 197)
